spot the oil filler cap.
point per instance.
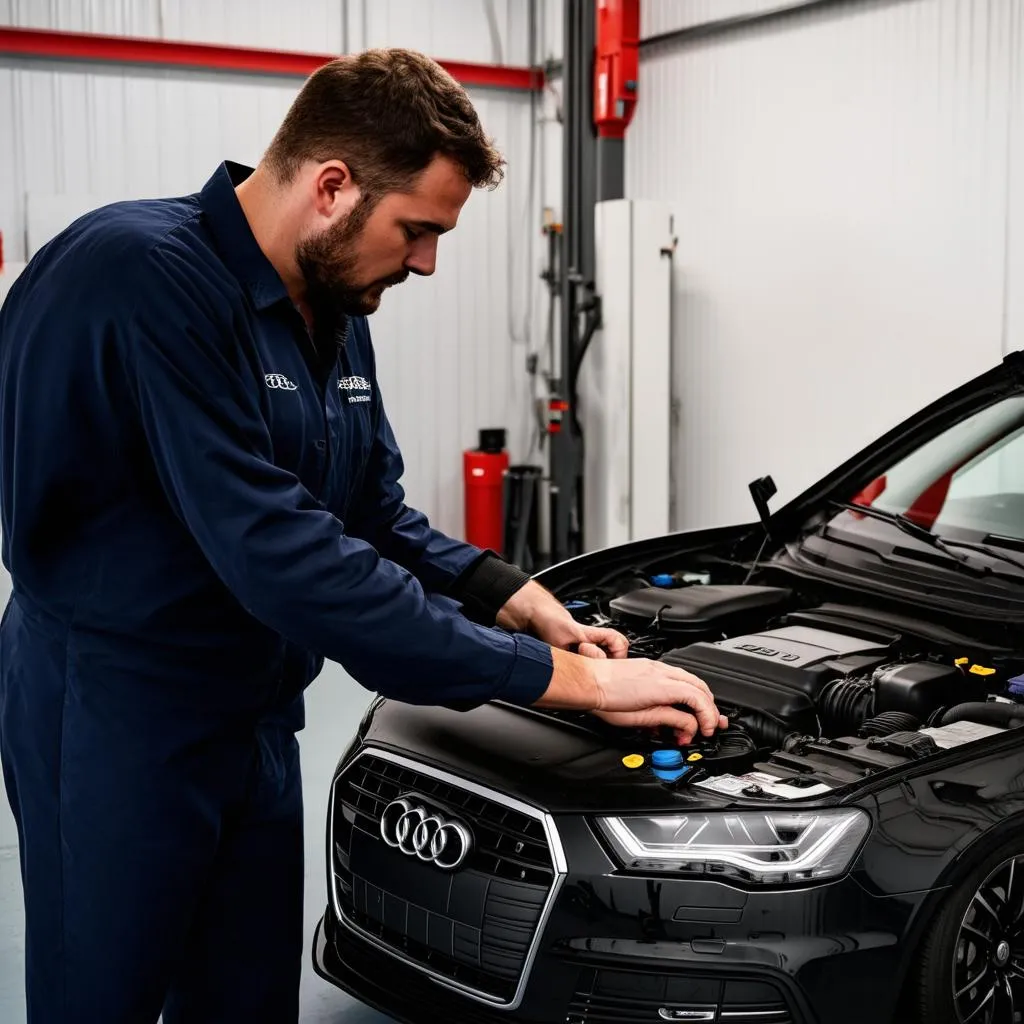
(633, 760)
(667, 765)
(667, 758)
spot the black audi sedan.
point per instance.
(850, 849)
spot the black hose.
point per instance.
(888, 723)
(593, 311)
(1010, 716)
(845, 704)
(769, 730)
(733, 743)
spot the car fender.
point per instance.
(965, 861)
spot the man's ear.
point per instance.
(334, 189)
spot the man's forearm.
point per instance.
(573, 684)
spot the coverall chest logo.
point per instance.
(357, 388)
(279, 382)
(425, 834)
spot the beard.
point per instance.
(328, 263)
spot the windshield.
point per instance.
(966, 483)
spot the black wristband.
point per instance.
(485, 587)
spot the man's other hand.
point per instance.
(631, 693)
(532, 609)
(684, 725)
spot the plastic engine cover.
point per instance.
(699, 610)
(779, 671)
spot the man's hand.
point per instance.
(532, 609)
(635, 693)
(648, 694)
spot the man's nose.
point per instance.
(422, 258)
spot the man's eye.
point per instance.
(411, 234)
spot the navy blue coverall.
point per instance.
(200, 502)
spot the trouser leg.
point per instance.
(119, 821)
(245, 948)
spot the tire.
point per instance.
(977, 936)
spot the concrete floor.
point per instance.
(334, 706)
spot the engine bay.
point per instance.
(819, 695)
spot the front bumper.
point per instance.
(599, 990)
(620, 949)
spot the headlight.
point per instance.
(770, 847)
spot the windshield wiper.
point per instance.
(944, 544)
(915, 530)
(905, 523)
(998, 540)
(984, 549)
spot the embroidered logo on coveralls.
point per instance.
(280, 382)
(358, 388)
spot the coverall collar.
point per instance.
(234, 238)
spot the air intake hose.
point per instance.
(888, 724)
(845, 704)
(1007, 716)
(768, 729)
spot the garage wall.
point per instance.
(668, 15)
(850, 211)
(451, 349)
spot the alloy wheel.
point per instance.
(988, 955)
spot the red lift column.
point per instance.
(617, 66)
(616, 72)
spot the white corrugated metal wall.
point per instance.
(850, 215)
(451, 349)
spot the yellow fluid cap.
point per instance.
(982, 670)
(633, 760)
(961, 661)
(695, 757)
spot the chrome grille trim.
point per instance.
(554, 846)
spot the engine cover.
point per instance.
(710, 610)
(779, 671)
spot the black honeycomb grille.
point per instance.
(637, 997)
(509, 844)
(474, 926)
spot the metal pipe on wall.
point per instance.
(723, 26)
(599, 95)
(579, 185)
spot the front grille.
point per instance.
(405, 993)
(638, 997)
(473, 926)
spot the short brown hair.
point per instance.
(387, 113)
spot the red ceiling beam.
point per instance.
(82, 46)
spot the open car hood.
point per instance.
(1004, 379)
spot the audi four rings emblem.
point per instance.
(280, 382)
(419, 832)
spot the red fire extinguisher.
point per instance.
(484, 478)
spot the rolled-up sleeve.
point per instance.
(289, 562)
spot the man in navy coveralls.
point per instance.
(200, 502)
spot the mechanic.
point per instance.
(200, 503)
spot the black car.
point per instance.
(850, 849)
